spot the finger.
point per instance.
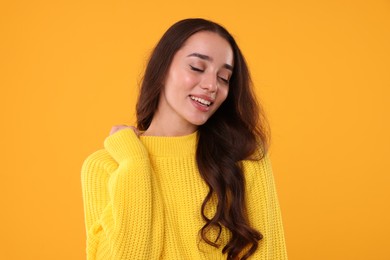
(116, 128)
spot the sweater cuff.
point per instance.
(124, 144)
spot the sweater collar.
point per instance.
(170, 145)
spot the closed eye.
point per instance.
(196, 69)
(224, 80)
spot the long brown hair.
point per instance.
(235, 132)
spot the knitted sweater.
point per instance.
(142, 198)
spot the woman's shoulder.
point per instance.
(259, 160)
(98, 155)
(99, 160)
(257, 169)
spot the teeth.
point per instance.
(201, 100)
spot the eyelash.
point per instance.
(199, 70)
(224, 80)
(196, 69)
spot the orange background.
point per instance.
(70, 70)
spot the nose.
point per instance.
(210, 83)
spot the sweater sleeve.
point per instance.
(264, 210)
(117, 193)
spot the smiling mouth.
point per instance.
(201, 101)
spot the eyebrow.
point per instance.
(208, 58)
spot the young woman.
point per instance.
(193, 179)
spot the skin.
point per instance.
(199, 73)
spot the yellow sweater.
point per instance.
(142, 198)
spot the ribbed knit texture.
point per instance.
(142, 198)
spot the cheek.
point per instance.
(221, 96)
(182, 78)
(223, 93)
(190, 80)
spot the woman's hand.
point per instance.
(123, 143)
(116, 128)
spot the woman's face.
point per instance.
(197, 81)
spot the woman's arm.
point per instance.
(117, 192)
(264, 210)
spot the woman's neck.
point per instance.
(166, 128)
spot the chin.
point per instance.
(199, 122)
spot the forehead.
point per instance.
(210, 44)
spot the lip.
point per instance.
(198, 106)
(205, 97)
